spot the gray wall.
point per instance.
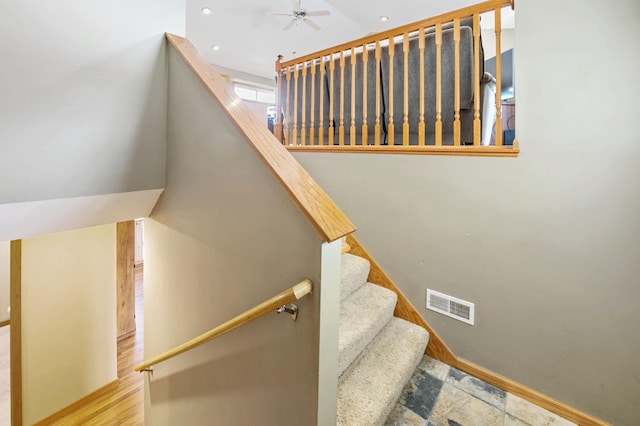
(548, 244)
(223, 238)
(83, 102)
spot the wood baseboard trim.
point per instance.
(109, 387)
(5, 322)
(404, 309)
(439, 350)
(548, 403)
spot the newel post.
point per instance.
(277, 128)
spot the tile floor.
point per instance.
(438, 395)
(5, 417)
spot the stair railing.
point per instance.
(280, 303)
(313, 115)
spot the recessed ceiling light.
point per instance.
(384, 18)
(215, 47)
(207, 11)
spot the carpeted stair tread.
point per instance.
(353, 274)
(362, 315)
(369, 388)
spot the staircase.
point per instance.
(378, 352)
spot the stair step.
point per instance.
(353, 274)
(362, 315)
(369, 389)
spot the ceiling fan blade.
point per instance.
(290, 24)
(279, 14)
(312, 24)
(319, 13)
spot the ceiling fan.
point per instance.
(300, 14)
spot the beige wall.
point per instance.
(547, 245)
(68, 318)
(223, 238)
(4, 279)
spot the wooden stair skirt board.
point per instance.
(109, 387)
(439, 350)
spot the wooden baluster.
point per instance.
(421, 129)
(376, 128)
(498, 22)
(438, 128)
(341, 126)
(312, 120)
(303, 131)
(405, 124)
(365, 130)
(476, 80)
(390, 134)
(352, 129)
(277, 128)
(456, 82)
(296, 73)
(321, 95)
(288, 109)
(332, 66)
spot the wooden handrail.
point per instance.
(323, 214)
(294, 293)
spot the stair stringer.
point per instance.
(404, 308)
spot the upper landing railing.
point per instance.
(419, 88)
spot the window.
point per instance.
(254, 93)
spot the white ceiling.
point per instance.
(250, 39)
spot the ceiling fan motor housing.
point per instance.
(299, 14)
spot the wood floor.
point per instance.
(123, 403)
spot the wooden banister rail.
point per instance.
(314, 203)
(292, 294)
(393, 114)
